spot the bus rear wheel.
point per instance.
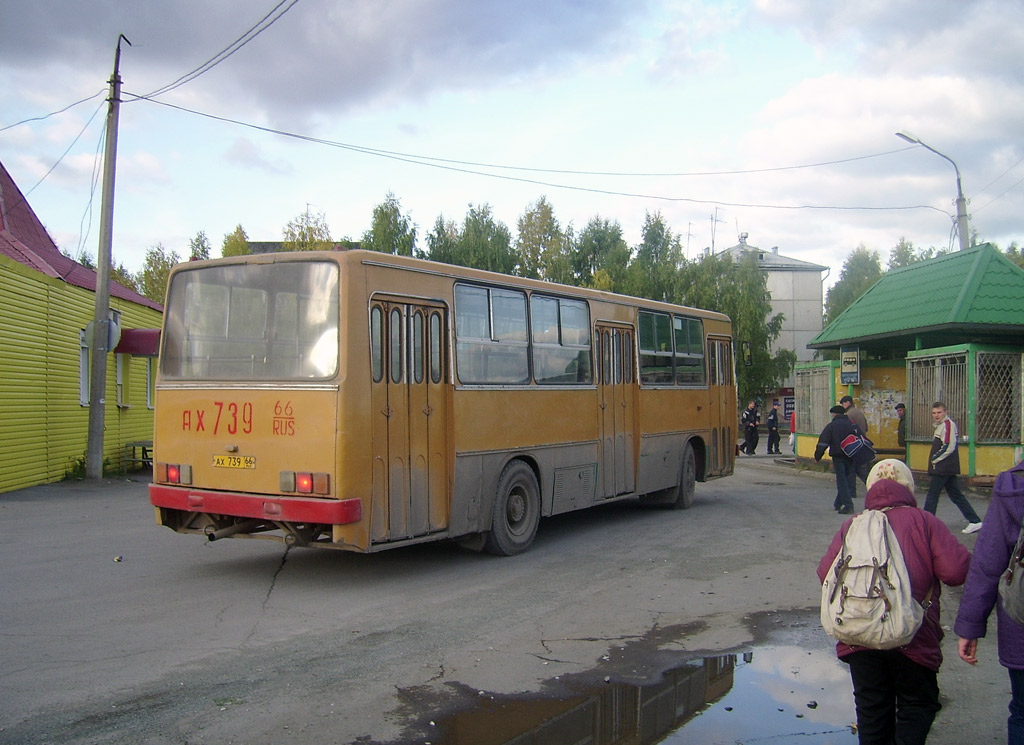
(516, 511)
(680, 496)
(687, 480)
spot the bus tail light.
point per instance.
(173, 473)
(304, 482)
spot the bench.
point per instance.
(139, 453)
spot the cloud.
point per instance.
(246, 153)
(320, 55)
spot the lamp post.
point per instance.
(961, 203)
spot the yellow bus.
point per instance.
(360, 401)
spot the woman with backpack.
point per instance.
(896, 691)
(996, 541)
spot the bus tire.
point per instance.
(687, 480)
(516, 511)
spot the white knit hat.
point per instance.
(893, 470)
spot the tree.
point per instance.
(861, 270)
(442, 241)
(601, 256)
(485, 243)
(153, 277)
(390, 231)
(1015, 254)
(904, 254)
(542, 245)
(308, 232)
(199, 247)
(236, 243)
(740, 290)
(654, 271)
(120, 274)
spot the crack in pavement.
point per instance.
(266, 599)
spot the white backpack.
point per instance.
(865, 599)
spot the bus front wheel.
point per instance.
(516, 511)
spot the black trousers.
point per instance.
(897, 699)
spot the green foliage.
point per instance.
(153, 277)
(1015, 254)
(390, 231)
(442, 241)
(120, 274)
(236, 243)
(543, 247)
(861, 270)
(654, 270)
(308, 232)
(199, 247)
(76, 469)
(601, 256)
(904, 254)
(740, 290)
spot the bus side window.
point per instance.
(436, 347)
(395, 334)
(377, 343)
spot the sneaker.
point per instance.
(845, 510)
(971, 528)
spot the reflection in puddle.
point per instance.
(767, 696)
(778, 693)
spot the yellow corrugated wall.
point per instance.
(43, 427)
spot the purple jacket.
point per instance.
(932, 555)
(996, 540)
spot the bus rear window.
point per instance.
(252, 322)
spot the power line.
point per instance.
(254, 31)
(456, 166)
(53, 113)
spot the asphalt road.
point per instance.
(115, 630)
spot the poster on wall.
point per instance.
(849, 365)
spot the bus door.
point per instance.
(409, 407)
(722, 383)
(615, 399)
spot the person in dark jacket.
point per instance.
(773, 429)
(751, 420)
(996, 541)
(896, 691)
(831, 439)
(944, 466)
(901, 426)
(860, 421)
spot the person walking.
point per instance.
(831, 439)
(996, 541)
(857, 417)
(773, 429)
(896, 691)
(901, 426)
(750, 420)
(944, 466)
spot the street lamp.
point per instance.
(961, 203)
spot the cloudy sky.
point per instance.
(774, 118)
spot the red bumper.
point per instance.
(284, 509)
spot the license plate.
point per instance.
(234, 461)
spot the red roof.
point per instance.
(24, 239)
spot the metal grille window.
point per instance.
(813, 398)
(930, 379)
(998, 414)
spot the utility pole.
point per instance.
(961, 203)
(101, 331)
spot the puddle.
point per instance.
(775, 694)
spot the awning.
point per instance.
(140, 342)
